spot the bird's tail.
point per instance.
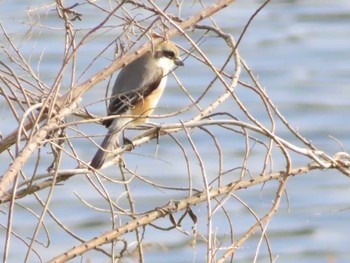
(107, 145)
(109, 142)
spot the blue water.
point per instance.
(299, 50)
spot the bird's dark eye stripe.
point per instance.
(169, 53)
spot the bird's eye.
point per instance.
(169, 54)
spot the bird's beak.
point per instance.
(178, 62)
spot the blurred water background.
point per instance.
(300, 51)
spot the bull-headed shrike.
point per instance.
(136, 92)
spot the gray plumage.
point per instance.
(123, 98)
(140, 80)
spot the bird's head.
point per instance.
(167, 55)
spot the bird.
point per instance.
(136, 92)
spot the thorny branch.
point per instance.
(43, 128)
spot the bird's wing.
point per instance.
(124, 101)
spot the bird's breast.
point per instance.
(146, 105)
